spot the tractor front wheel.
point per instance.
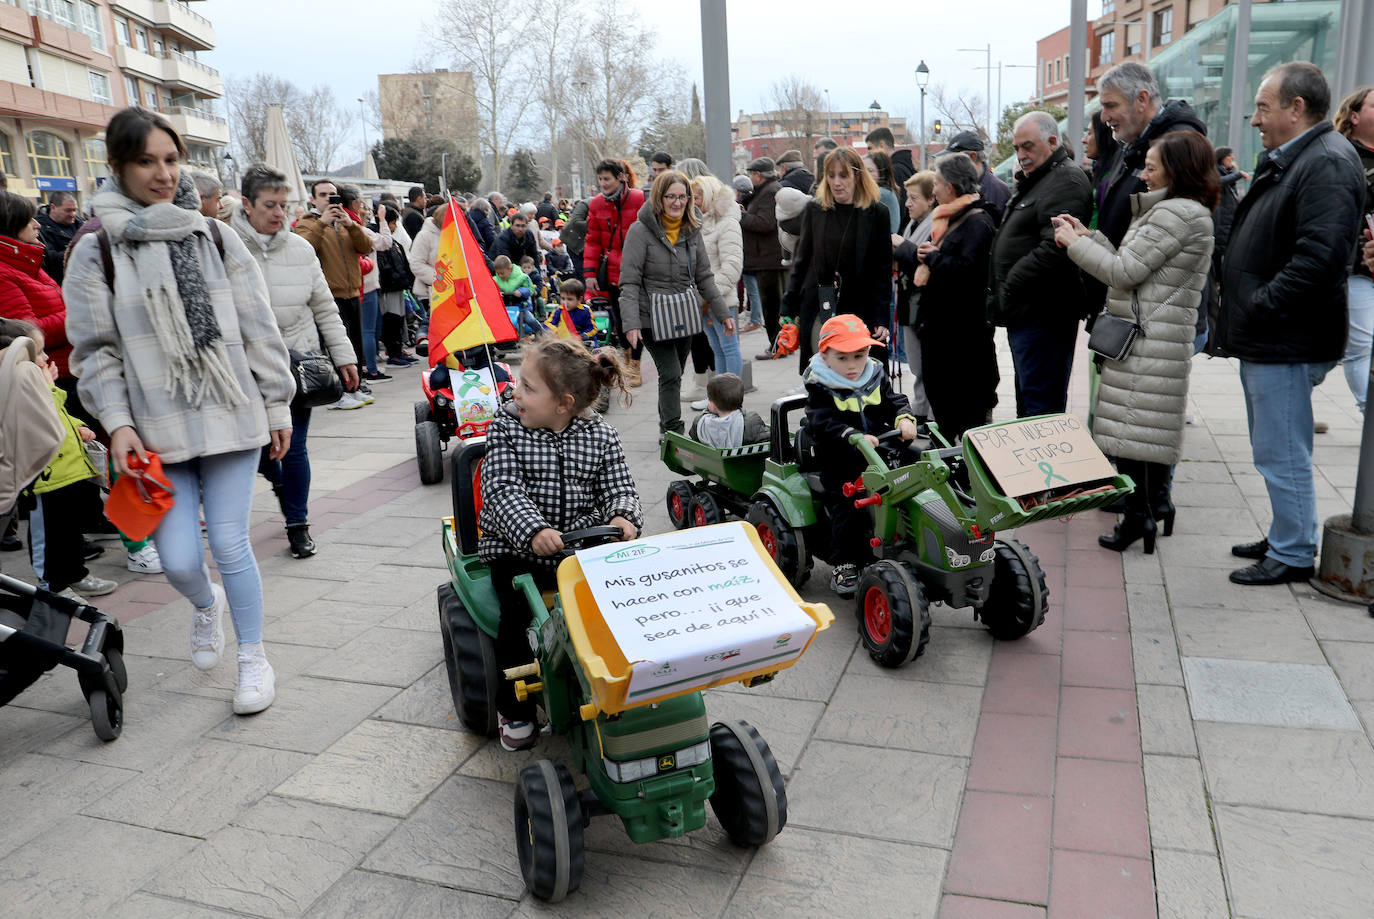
(894, 616)
(750, 800)
(548, 830)
(429, 452)
(1018, 598)
(784, 544)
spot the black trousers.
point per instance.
(850, 527)
(59, 517)
(772, 285)
(618, 338)
(351, 312)
(703, 358)
(512, 647)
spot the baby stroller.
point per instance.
(33, 634)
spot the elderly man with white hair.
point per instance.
(1035, 291)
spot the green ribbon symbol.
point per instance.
(471, 379)
(1050, 474)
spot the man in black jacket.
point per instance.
(515, 242)
(1035, 290)
(1283, 301)
(794, 172)
(413, 217)
(762, 250)
(58, 222)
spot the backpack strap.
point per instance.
(107, 257)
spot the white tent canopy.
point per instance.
(281, 156)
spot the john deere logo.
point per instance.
(667, 762)
(630, 553)
(783, 640)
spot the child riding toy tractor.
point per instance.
(647, 749)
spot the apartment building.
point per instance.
(66, 66)
(848, 128)
(440, 101)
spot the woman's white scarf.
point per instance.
(176, 297)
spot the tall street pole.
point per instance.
(922, 78)
(1078, 66)
(1240, 76)
(1347, 558)
(715, 66)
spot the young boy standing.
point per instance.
(847, 393)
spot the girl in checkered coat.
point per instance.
(552, 466)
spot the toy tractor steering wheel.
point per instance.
(891, 445)
(590, 536)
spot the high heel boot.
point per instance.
(1161, 502)
(1138, 521)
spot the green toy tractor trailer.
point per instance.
(936, 514)
(654, 762)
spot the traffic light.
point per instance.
(939, 126)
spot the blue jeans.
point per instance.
(1042, 356)
(291, 473)
(724, 347)
(1361, 297)
(223, 483)
(1278, 408)
(751, 291)
(527, 323)
(370, 315)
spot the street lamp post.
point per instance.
(362, 111)
(988, 97)
(828, 113)
(922, 78)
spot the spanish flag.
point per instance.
(465, 308)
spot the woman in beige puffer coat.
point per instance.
(724, 243)
(1158, 272)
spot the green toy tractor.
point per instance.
(654, 762)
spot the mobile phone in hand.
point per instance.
(1369, 220)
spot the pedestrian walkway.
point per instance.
(1166, 744)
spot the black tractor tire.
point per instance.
(679, 500)
(1018, 597)
(705, 510)
(422, 412)
(750, 800)
(785, 545)
(429, 452)
(548, 830)
(470, 659)
(893, 613)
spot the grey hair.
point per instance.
(481, 206)
(527, 210)
(693, 168)
(1305, 80)
(1130, 79)
(1042, 120)
(959, 172)
(260, 178)
(59, 198)
(206, 185)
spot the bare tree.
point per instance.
(797, 104)
(618, 80)
(483, 36)
(961, 110)
(247, 99)
(317, 125)
(558, 28)
(314, 119)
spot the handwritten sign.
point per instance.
(689, 608)
(1037, 454)
(474, 396)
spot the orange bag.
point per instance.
(137, 503)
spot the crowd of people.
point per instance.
(174, 318)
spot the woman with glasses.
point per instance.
(664, 256)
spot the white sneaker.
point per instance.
(207, 632)
(92, 586)
(257, 682)
(347, 402)
(364, 396)
(145, 560)
(699, 405)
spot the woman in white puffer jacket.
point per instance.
(724, 243)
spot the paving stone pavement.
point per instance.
(1166, 744)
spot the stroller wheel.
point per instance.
(116, 661)
(107, 713)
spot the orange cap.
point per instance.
(846, 332)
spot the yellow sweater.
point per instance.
(671, 226)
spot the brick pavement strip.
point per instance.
(1065, 774)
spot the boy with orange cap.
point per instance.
(848, 393)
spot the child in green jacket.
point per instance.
(518, 291)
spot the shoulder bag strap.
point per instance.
(106, 257)
(1135, 298)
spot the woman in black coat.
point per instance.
(958, 358)
(845, 243)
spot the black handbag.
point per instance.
(1112, 336)
(317, 382)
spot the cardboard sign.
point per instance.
(1037, 454)
(690, 607)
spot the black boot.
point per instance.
(298, 535)
(1161, 503)
(1138, 521)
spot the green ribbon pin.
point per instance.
(1050, 474)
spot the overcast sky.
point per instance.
(861, 58)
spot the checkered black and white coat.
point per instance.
(537, 478)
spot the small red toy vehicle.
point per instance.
(459, 402)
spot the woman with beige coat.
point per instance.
(724, 244)
(1155, 279)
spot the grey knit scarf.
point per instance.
(177, 298)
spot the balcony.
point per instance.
(185, 72)
(177, 17)
(139, 62)
(199, 125)
(143, 9)
(17, 100)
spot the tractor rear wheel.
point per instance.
(1018, 598)
(784, 545)
(894, 616)
(548, 830)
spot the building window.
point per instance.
(122, 33)
(1134, 39)
(6, 155)
(48, 155)
(1059, 71)
(1106, 48)
(1164, 26)
(100, 88)
(150, 98)
(142, 37)
(62, 12)
(1197, 12)
(1109, 6)
(92, 25)
(158, 45)
(1049, 73)
(97, 160)
(131, 90)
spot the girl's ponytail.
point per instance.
(568, 367)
